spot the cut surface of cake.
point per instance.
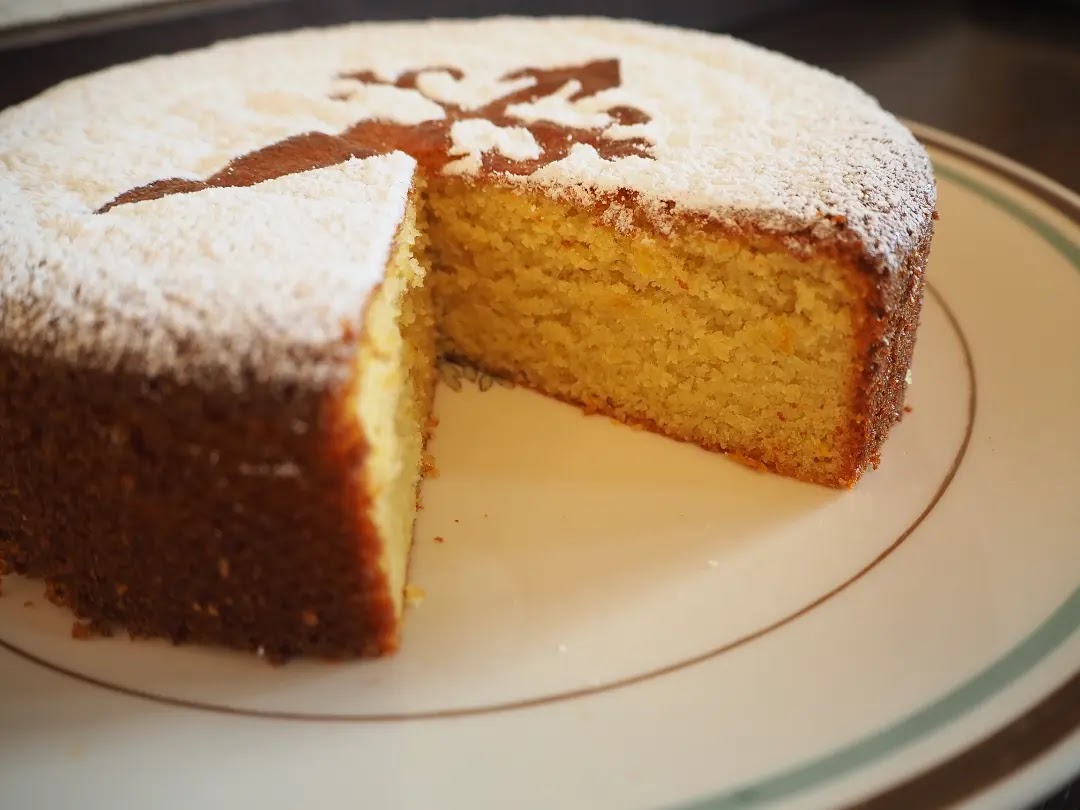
(227, 275)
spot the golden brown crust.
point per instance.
(886, 343)
(201, 515)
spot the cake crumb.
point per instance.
(428, 468)
(451, 375)
(223, 567)
(752, 463)
(55, 594)
(440, 539)
(907, 409)
(310, 618)
(348, 331)
(85, 630)
(414, 595)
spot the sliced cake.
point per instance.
(227, 274)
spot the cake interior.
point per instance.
(735, 347)
(396, 381)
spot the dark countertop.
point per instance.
(1005, 74)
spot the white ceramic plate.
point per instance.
(617, 620)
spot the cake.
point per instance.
(226, 278)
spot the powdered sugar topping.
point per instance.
(260, 283)
(474, 136)
(261, 277)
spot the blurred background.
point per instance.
(1003, 73)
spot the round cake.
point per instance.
(226, 278)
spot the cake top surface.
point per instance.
(577, 107)
(265, 281)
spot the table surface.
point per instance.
(1005, 74)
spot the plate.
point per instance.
(612, 619)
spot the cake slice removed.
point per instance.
(246, 476)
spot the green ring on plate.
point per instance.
(1009, 668)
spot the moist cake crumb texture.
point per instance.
(230, 278)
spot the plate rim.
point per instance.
(1018, 745)
(988, 763)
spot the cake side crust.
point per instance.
(199, 515)
(887, 345)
